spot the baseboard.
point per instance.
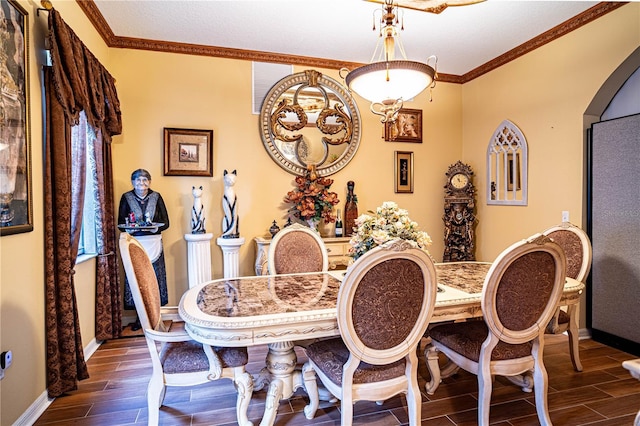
(34, 411)
(91, 348)
(43, 402)
(584, 333)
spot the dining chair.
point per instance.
(577, 249)
(520, 295)
(297, 249)
(384, 305)
(177, 360)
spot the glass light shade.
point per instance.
(406, 79)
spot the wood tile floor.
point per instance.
(604, 394)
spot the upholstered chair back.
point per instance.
(297, 249)
(387, 307)
(145, 287)
(577, 249)
(522, 290)
(381, 320)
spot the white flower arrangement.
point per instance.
(387, 223)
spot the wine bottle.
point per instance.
(338, 225)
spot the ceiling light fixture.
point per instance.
(387, 82)
(431, 6)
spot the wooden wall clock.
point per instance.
(459, 218)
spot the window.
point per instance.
(83, 137)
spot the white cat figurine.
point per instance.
(197, 212)
(229, 206)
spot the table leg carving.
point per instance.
(244, 387)
(448, 370)
(274, 396)
(524, 381)
(431, 354)
(281, 376)
(311, 386)
(261, 380)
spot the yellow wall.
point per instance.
(545, 93)
(160, 90)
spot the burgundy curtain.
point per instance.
(76, 82)
(108, 301)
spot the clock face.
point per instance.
(459, 180)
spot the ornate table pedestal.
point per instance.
(198, 258)
(282, 377)
(230, 249)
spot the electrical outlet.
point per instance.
(565, 216)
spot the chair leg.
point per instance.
(540, 390)
(155, 395)
(244, 386)
(311, 386)
(573, 333)
(414, 403)
(541, 385)
(485, 386)
(346, 408)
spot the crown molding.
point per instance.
(554, 33)
(99, 23)
(93, 13)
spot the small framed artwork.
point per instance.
(406, 128)
(188, 152)
(513, 172)
(16, 203)
(404, 171)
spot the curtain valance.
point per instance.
(81, 81)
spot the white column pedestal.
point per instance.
(230, 249)
(198, 258)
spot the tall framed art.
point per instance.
(16, 204)
(403, 171)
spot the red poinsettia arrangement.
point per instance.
(312, 199)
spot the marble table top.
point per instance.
(464, 276)
(268, 295)
(273, 308)
(279, 294)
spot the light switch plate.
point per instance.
(565, 216)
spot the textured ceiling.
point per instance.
(463, 38)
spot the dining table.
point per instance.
(280, 310)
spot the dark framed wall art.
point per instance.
(16, 204)
(188, 152)
(403, 172)
(406, 128)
